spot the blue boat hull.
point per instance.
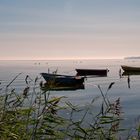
(62, 80)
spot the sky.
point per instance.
(69, 29)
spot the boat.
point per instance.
(58, 80)
(130, 68)
(86, 72)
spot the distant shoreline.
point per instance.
(60, 59)
(133, 57)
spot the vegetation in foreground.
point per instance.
(34, 114)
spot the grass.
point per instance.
(32, 114)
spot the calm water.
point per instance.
(130, 97)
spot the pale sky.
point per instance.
(69, 29)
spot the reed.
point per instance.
(34, 114)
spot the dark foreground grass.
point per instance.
(32, 114)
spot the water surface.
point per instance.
(130, 97)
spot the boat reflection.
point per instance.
(130, 73)
(47, 87)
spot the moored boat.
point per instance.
(86, 72)
(62, 80)
(130, 68)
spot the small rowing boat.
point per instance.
(62, 80)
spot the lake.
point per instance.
(130, 97)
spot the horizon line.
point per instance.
(59, 59)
